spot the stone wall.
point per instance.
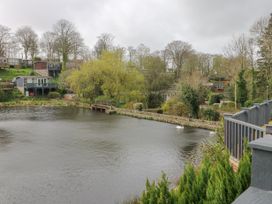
(197, 123)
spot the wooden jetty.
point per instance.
(103, 108)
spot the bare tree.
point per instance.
(65, 33)
(78, 45)
(258, 27)
(4, 40)
(141, 52)
(104, 43)
(239, 48)
(13, 47)
(131, 54)
(48, 45)
(28, 40)
(177, 51)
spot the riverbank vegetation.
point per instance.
(212, 181)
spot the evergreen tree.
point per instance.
(264, 76)
(221, 185)
(190, 98)
(241, 88)
(187, 192)
(157, 194)
(244, 170)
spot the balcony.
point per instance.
(45, 85)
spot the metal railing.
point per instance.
(41, 85)
(246, 124)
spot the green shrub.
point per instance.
(138, 106)
(210, 114)
(154, 100)
(10, 95)
(175, 107)
(249, 103)
(54, 94)
(104, 100)
(215, 98)
(227, 104)
(190, 98)
(258, 100)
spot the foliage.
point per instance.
(190, 98)
(10, 95)
(244, 170)
(242, 89)
(215, 98)
(213, 181)
(54, 94)
(138, 106)
(264, 75)
(249, 103)
(175, 107)
(154, 100)
(108, 76)
(210, 114)
(157, 193)
(9, 74)
(220, 187)
(156, 78)
(202, 93)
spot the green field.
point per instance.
(9, 74)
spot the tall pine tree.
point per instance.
(241, 88)
(264, 77)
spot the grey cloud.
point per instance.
(207, 24)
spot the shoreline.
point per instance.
(171, 119)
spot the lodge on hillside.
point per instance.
(35, 85)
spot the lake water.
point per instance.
(71, 155)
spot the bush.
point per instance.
(249, 103)
(190, 98)
(215, 98)
(227, 105)
(175, 107)
(155, 100)
(138, 106)
(10, 95)
(104, 100)
(258, 100)
(54, 94)
(210, 114)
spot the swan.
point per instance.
(179, 127)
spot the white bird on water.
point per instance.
(179, 127)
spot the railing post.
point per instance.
(268, 129)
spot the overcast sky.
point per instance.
(207, 24)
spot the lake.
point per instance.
(72, 155)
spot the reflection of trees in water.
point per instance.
(5, 138)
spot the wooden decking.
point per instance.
(103, 108)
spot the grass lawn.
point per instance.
(10, 73)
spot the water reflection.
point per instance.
(5, 138)
(70, 155)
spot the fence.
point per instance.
(246, 124)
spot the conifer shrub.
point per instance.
(215, 98)
(249, 103)
(244, 170)
(210, 114)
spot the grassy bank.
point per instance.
(197, 123)
(10, 73)
(44, 102)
